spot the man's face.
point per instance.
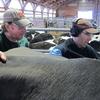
(15, 32)
(84, 38)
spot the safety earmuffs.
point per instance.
(76, 30)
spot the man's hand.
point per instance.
(3, 57)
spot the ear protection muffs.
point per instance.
(75, 30)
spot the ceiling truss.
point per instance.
(52, 3)
(55, 4)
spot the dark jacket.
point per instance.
(6, 44)
(70, 50)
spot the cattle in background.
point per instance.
(42, 37)
(42, 41)
(30, 75)
(41, 45)
(95, 42)
(30, 34)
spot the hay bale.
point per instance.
(30, 75)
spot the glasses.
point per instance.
(87, 33)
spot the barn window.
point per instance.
(85, 14)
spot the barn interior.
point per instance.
(30, 72)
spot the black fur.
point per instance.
(30, 75)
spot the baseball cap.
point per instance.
(86, 25)
(15, 16)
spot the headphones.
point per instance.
(76, 30)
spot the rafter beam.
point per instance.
(55, 4)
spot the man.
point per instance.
(14, 28)
(77, 46)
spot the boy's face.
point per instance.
(84, 38)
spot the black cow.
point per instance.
(30, 75)
(95, 44)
